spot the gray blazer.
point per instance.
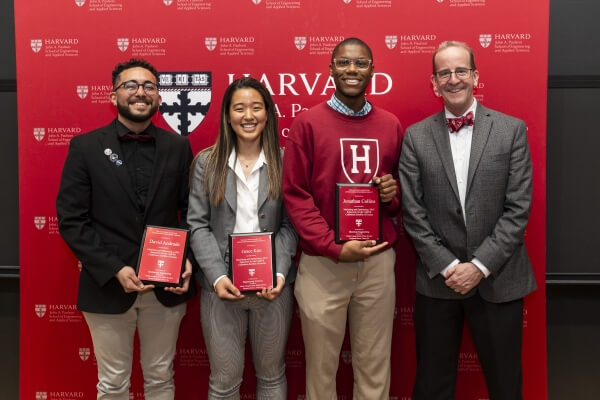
(497, 203)
(210, 226)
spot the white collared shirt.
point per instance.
(460, 145)
(246, 213)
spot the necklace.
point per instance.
(247, 163)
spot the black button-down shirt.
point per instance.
(138, 158)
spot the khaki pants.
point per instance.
(112, 335)
(364, 292)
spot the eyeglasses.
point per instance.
(359, 63)
(461, 73)
(132, 87)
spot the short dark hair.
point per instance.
(132, 63)
(351, 40)
(454, 43)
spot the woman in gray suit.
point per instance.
(236, 188)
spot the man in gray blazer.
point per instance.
(465, 174)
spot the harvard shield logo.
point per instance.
(39, 222)
(257, 2)
(347, 1)
(391, 41)
(123, 44)
(36, 45)
(185, 99)
(80, 3)
(82, 91)
(210, 43)
(40, 310)
(168, 2)
(485, 39)
(360, 159)
(41, 396)
(84, 353)
(39, 133)
(300, 42)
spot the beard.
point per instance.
(125, 112)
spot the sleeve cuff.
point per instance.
(481, 267)
(217, 281)
(282, 276)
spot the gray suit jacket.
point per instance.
(211, 225)
(497, 204)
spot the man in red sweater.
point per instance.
(344, 140)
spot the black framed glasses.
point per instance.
(132, 87)
(461, 73)
(359, 63)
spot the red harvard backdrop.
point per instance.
(66, 51)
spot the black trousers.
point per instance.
(496, 329)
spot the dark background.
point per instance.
(573, 196)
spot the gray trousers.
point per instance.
(225, 325)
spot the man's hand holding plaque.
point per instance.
(163, 256)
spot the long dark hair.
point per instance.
(215, 167)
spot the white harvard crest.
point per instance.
(41, 395)
(39, 133)
(168, 2)
(39, 222)
(485, 39)
(82, 91)
(36, 45)
(40, 310)
(185, 99)
(347, 1)
(360, 159)
(123, 43)
(358, 222)
(84, 353)
(210, 43)
(80, 3)
(256, 1)
(160, 263)
(251, 271)
(300, 42)
(391, 41)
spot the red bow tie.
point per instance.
(454, 124)
(140, 137)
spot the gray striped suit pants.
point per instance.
(225, 325)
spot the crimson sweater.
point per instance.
(325, 147)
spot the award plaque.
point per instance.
(357, 212)
(251, 260)
(162, 256)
